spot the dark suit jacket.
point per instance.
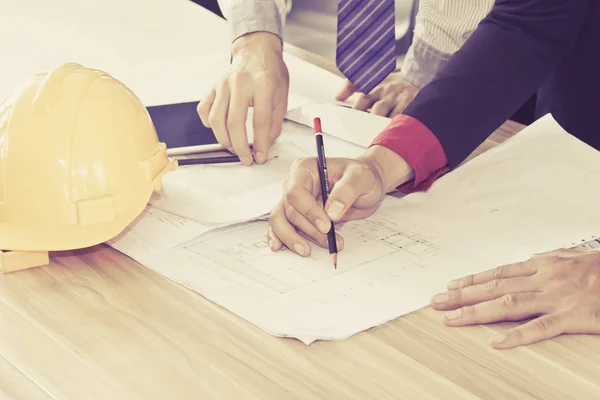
(551, 47)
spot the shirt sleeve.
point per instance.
(422, 62)
(441, 28)
(248, 16)
(446, 25)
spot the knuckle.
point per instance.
(357, 169)
(311, 215)
(291, 214)
(499, 273)
(396, 88)
(511, 301)
(384, 103)
(290, 197)
(468, 311)
(467, 281)
(545, 325)
(491, 287)
(265, 77)
(239, 78)
(365, 98)
(457, 295)
(335, 174)
(214, 119)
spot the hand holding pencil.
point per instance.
(355, 191)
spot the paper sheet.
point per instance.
(161, 230)
(354, 126)
(232, 193)
(535, 193)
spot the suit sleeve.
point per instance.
(502, 64)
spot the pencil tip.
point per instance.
(335, 260)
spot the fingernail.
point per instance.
(271, 243)
(299, 248)
(323, 226)
(454, 314)
(440, 298)
(259, 157)
(499, 339)
(246, 160)
(335, 210)
(453, 285)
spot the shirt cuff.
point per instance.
(417, 145)
(422, 63)
(255, 16)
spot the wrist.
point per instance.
(391, 168)
(263, 42)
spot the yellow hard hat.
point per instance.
(79, 160)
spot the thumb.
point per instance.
(348, 90)
(344, 194)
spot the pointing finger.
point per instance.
(205, 105)
(236, 125)
(263, 116)
(348, 90)
(217, 117)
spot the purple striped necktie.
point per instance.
(366, 44)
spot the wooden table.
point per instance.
(97, 325)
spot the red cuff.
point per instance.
(413, 141)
